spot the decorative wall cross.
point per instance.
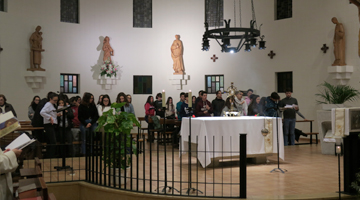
(324, 48)
(272, 54)
(214, 58)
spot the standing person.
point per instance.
(88, 115)
(49, 114)
(75, 109)
(248, 96)
(178, 105)
(194, 100)
(105, 105)
(199, 98)
(8, 164)
(271, 105)
(184, 111)
(255, 108)
(158, 105)
(289, 106)
(218, 103)
(68, 125)
(241, 104)
(128, 107)
(170, 109)
(32, 107)
(4, 106)
(129, 98)
(203, 107)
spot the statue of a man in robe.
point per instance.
(177, 55)
(108, 51)
(35, 50)
(339, 43)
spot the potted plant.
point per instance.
(119, 144)
(334, 96)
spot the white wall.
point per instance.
(75, 48)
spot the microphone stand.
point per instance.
(278, 169)
(63, 149)
(190, 188)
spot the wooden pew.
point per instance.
(32, 172)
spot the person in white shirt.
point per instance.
(48, 112)
(105, 105)
(241, 104)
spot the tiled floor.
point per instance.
(309, 174)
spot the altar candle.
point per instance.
(338, 149)
(190, 99)
(163, 99)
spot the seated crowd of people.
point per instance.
(84, 113)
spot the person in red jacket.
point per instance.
(203, 107)
(149, 112)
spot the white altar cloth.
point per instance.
(229, 128)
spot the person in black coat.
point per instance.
(88, 116)
(218, 104)
(5, 107)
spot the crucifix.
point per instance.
(214, 58)
(324, 48)
(271, 54)
(357, 4)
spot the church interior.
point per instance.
(300, 44)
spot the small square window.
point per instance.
(284, 81)
(69, 83)
(283, 9)
(69, 11)
(214, 83)
(142, 85)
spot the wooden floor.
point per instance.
(309, 174)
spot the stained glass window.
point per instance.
(214, 83)
(142, 13)
(214, 12)
(283, 9)
(142, 85)
(69, 83)
(284, 81)
(69, 10)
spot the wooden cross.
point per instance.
(271, 54)
(214, 58)
(324, 48)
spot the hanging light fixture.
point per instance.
(248, 36)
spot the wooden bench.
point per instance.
(309, 133)
(32, 172)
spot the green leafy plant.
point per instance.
(356, 183)
(337, 94)
(121, 145)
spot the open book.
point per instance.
(20, 142)
(8, 123)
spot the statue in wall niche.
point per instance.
(339, 43)
(177, 55)
(35, 50)
(108, 51)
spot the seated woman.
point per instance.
(5, 107)
(32, 107)
(170, 109)
(105, 105)
(255, 108)
(128, 107)
(230, 106)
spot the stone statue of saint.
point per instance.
(35, 50)
(177, 55)
(339, 43)
(108, 51)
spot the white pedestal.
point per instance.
(107, 82)
(341, 73)
(35, 78)
(179, 80)
(324, 124)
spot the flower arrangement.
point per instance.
(108, 69)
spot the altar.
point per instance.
(218, 137)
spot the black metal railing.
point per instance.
(161, 168)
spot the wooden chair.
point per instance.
(167, 136)
(151, 132)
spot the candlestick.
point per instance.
(163, 99)
(190, 99)
(338, 149)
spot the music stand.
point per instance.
(63, 149)
(278, 169)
